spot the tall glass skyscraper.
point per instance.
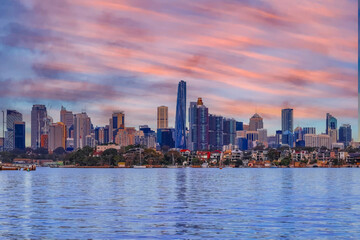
(180, 118)
(331, 122)
(12, 116)
(345, 135)
(287, 120)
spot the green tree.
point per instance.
(285, 161)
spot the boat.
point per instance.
(139, 166)
(205, 165)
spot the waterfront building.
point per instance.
(82, 128)
(198, 126)
(19, 135)
(180, 118)
(38, 121)
(162, 117)
(256, 122)
(67, 118)
(345, 134)
(57, 136)
(12, 116)
(216, 132)
(331, 122)
(287, 120)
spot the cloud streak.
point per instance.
(248, 55)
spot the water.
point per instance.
(180, 204)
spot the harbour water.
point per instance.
(55, 203)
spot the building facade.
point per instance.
(162, 117)
(180, 118)
(38, 124)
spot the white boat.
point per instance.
(139, 166)
(205, 165)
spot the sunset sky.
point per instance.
(240, 56)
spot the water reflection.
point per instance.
(180, 203)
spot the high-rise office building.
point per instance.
(287, 120)
(180, 118)
(12, 116)
(82, 128)
(117, 123)
(239, 126)
(229, 131)
(57, 136)
(38, 124)
(67, 118)
(19, 135)
(256, 122)
(309, 130)
(216, 132)
(298, 134)
(331, 122)
(165, 137)
(345, 134)
(278, 137)
(288, 138)
(263, 138)
(199, 126)
(162, 117)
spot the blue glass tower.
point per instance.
(180, 118)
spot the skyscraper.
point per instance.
(180, 118)
(256, 122)
(117, 122)
(199, 126)
(287, 120)
(12, 116)
(67, 118)
(216, 132)
(345, 134)
(38, 122)
(19, 135)
(229, 131)
(162, 117)
(331, 122)
(82, 128)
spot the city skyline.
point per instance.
(261, 61)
